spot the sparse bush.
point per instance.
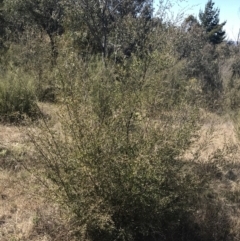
(117, 169)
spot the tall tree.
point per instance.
(48, 14)
(112, 25)
(44, 15)
(209, 20)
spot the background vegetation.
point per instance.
(131, 88)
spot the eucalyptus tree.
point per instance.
(111, 26)
(41, 15)
(48, 16)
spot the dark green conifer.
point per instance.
(209, 20)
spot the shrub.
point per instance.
(117, 169)
(202, 62)
(17, 97)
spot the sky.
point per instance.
(229, 11)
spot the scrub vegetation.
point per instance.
(117, 123)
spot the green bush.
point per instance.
(117, 169)
(17, 97)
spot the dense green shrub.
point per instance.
(17, 97)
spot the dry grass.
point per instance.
(217, 134)
(218, 150)
(25, 213)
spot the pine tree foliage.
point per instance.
(209, 20)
